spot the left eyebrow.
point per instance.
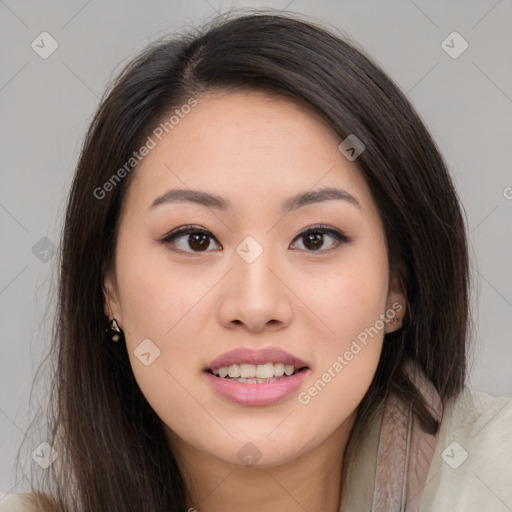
(293, 203)
(317, 196)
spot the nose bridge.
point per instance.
(253, 261)
(255, 296)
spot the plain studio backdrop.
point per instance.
(452, 59)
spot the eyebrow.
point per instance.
(293, 203)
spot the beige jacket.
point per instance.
(467, 467)
(470, 470)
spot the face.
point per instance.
(255, 272)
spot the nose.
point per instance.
(255, 295)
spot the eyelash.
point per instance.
(339, 237)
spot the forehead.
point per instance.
(248, 144)
(239, 126)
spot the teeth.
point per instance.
(234, 371)
(247, 370)
(265, 371)
(251, 371)
(279, 369)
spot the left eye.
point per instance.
(199, 239)
(314, 238)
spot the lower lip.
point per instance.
(264, 393)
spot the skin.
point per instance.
(257, 151)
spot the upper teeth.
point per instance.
(260, 371)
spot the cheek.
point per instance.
(158, 306)
(154, 299)
(350, 298)
(161, 305)
(350, 304)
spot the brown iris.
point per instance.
(199, 241)
(316, 240)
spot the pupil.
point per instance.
(314, 238)
(201, 245)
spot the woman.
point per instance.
(268, 234)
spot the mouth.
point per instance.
(253, 377)
(247, 373)
(255, 391)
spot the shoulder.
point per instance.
(21, 502)
(472, 465)
(479, 406)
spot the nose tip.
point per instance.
(255, 297)
(257, 327)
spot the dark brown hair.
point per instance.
(113, 453)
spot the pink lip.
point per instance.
(250, 356)
(265, 393)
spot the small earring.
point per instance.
(114, 330)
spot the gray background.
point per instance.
(46, 105)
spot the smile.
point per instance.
(253, 390)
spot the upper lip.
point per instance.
(251, 356)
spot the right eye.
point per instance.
(196, 238)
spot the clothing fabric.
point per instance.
(466, 466)
(15, 503)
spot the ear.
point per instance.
(111, 304)
(397, 303)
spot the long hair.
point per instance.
(113, 453)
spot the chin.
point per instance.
(257, 452)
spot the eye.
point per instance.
(198, 238)
(314, 238)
